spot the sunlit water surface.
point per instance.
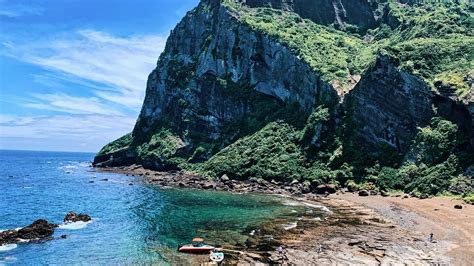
(131, 223)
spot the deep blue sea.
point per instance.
(131, 223)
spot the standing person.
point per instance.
(281, 253)
(431, 237)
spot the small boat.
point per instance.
(197, 246)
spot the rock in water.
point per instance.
(72, 217)
(38, 230)
(458, 206)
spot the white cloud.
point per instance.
(115, 67)
(112, 72)
(70, 104)
(62, 132)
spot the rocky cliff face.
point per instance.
(362, 13)
(210, 67)
(221, 78)
(390, 105)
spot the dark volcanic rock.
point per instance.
(72, 217)
(458, 206)
(363, 193)
(386, 121)
(38, 230)
(326, 188)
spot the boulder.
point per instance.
(363, 193)
(326, 189)
(373, 193)
(72, 217)
(225, 178)
(384, 193)
(457, 206)
(208, 185)
(38, 230)
(306, 187)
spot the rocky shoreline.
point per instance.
(351, 233)
(39, 231)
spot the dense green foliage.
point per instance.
(330, 52)
(121, 143)
(271, 153)
(161, 145)
(433, 41)
(430, 165)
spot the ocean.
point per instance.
(131, 224)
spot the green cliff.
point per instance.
(369, 93)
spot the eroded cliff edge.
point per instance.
(340, 90)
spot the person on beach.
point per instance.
(319, 248)
(281, 253)
(431, 238)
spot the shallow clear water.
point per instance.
(131, 224)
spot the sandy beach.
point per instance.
(452, 229)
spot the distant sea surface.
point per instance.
(131, 223)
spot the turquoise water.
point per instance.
(131, 223)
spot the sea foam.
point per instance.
(74, 226)
(8, 247)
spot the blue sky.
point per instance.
(73, 73)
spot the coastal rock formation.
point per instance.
(72, 217)
(38, 230)
(327, 91)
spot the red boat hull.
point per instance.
(195, 249)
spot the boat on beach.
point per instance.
(198, 246)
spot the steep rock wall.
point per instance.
(388, 105)
(208, 49)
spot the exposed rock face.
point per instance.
(209, 56)
(388, 105)
(363, 13)
(217, 73)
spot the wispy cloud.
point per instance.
(115, 67)
(15, 10)
(98, 80)
(70, 104)
(67, 131)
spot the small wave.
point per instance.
(290, 225)
(303, 203)
(8, 247)
(74, 226)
